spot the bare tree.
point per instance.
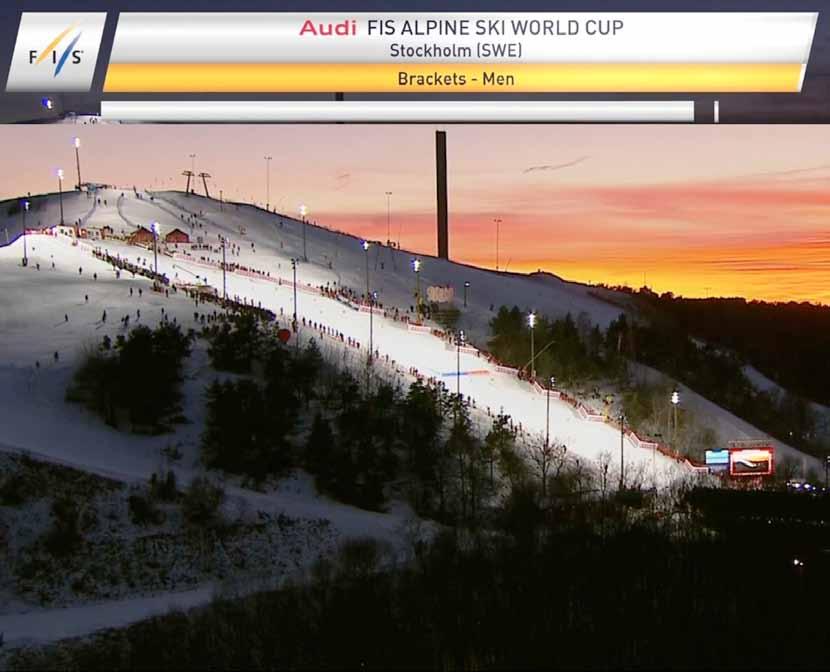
(603, 465)
(548, 459)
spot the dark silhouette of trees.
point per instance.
(239, 435)
(140, 378)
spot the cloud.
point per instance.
(793, 172)
(341, 181)
(558, 166)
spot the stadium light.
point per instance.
(365, 245)
(388, 217)
(268, 182)
(294, 325)
(24, 211)
(60, 191)
(154, 227)
(373, 297)
(547, 413)
(531, 321)
(416, 267)
(303, 213)
(224, 265)
(459, 341)
(675, 400)
(77, 143)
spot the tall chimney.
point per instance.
(441, 193)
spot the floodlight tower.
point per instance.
(388, 217)
(24, 210)
(60, 191)
(77, 143)
(224, 270)
(547, 412)
(154, 227)
(416, 267)
(459, 342)
(366, 245)
(268, 182)
(303, 213)
(373, 297)
(675, 400)
(294, 324)
(531, 322)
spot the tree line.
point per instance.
(363, 438)
(578, 351)
(595, 585)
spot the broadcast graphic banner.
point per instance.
(403, 53)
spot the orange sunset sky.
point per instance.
(697, 210)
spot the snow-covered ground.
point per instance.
(761, 382)
(729, 427)
(268, 244)
(60, 310)
(51, 625)
(127, 566)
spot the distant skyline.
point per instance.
(699, 210)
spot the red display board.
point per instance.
(751, 461)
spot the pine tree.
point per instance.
(305, 370)
(420, 427)
(320, 449)
(499, 439)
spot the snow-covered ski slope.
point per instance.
(34, 302)
(267, 242)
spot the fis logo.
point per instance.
(69, 53)
(56, 51)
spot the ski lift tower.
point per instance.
(188, 174)
(204, 177)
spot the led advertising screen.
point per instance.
(751, 462)
(717, 460)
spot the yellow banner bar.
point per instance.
(459, 78)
